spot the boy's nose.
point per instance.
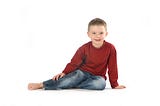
(98, 35)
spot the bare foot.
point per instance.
(34, 86)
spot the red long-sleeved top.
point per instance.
(96, 61)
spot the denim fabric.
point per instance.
(76, 79)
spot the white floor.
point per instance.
(133, 95)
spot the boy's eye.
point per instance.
(93, 33)
(101, 32)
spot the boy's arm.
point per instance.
(76, 61)
(112, 68)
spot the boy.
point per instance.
(89, 65)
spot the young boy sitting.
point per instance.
(88, 67)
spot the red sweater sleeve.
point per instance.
(76, 61)
(112, 68)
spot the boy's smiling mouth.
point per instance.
(97, 40)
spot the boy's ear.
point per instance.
(88, 34)
(106, 33)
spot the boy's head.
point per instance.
(97, 31)
(97, 22)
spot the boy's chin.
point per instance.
(98, 41)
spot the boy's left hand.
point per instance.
(120, 87)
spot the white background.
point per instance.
(39, 37)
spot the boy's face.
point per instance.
(97, 33)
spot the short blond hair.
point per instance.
(97, 21)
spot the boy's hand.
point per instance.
(120, 87)
(58, 76)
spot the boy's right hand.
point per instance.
(56, 77)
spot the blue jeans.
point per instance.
(76, 79)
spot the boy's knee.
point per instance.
(101, 87)
(100, 84)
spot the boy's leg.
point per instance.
(70, 80)
(93, 83)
